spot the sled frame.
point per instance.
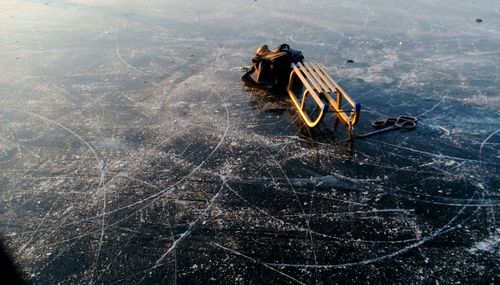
(320, 87)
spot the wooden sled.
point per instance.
(315, 82)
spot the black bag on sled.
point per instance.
(271, 69)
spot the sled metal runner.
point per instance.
(320, 86)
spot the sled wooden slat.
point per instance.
(320, 86)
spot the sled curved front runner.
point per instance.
(315, 82)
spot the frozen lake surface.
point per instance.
(132, 153)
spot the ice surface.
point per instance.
(131, 152)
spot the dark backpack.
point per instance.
(271, 69)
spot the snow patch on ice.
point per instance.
(490, 244)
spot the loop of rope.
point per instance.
(400, 123)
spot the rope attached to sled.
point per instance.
(406, 123)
